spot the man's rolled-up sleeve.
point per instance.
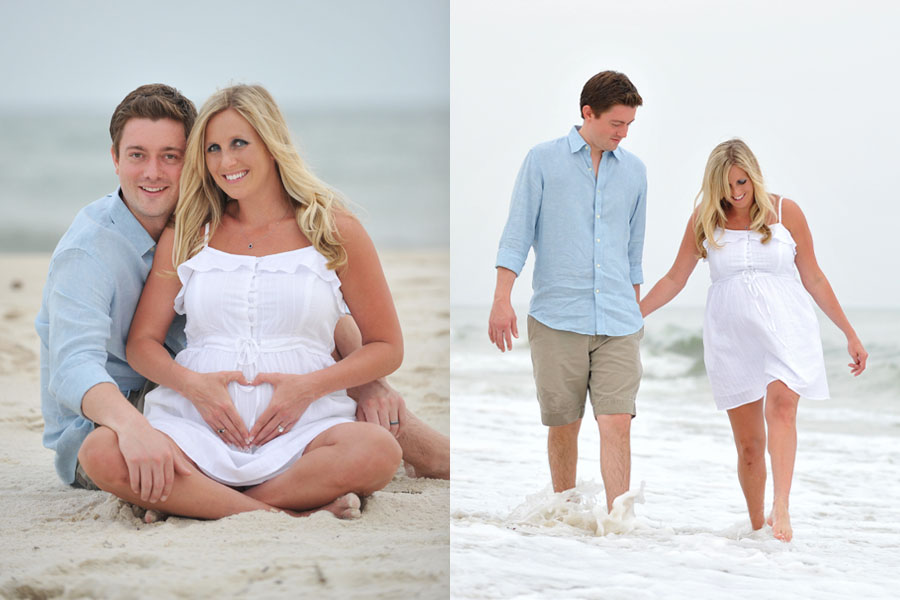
(524, 209)
(636, 235)
(78, 304)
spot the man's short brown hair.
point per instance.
(153, 101)
(606, 89)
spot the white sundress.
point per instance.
(759, 324)
(274, 313)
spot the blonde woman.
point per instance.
(761, 341)
(261, 260)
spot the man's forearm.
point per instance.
(505, 280)
(105, 405)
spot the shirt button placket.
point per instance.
(598, 199)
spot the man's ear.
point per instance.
(112, 150)
(586, 112)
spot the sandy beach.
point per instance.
(59, 542)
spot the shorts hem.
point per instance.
(559, 419)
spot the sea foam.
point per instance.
(580, 508)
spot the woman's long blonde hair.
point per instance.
(712, 200)
(202, 201)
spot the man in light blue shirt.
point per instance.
(95, 279)
(580, 202)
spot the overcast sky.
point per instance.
(308, 53)
(812, 87)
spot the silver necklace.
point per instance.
(269, 230)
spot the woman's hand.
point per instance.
(208, 392)
(858, 354)
(291, 396)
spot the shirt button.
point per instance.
(598, 215)
(598, 265)
(596, 291)
(598, 239)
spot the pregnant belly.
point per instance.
(250, 400)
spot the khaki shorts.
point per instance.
(568, 365)
(136, 397)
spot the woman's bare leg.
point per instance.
(781, 418)
(358, 458)
(749, 429)
(194, 495)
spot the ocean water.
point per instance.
(393, 166)
(684, 533)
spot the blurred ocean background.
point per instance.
(391, 164)
(691, 536)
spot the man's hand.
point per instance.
(152, 462)
(502, 325)
(377, 402)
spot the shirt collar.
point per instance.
(128, 225)
(576, 143)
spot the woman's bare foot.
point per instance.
(780, 521)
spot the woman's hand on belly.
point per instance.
(291, 396)
(208, 392)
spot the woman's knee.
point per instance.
(781, 403)
(373, 458)
(751, 449)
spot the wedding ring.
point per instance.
(395, 422)
(221, 431)
(281, 429)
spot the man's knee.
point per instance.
(100, 457)
(615, 425)
(563, 434)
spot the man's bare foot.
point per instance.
(347, 506)
(780, 521)
(152, 516)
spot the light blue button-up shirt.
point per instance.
(96, 276)
(587, 234)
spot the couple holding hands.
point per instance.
(580, 202)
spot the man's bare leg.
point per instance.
(749, 430)
(615, 455)
(562, 450)
(781, 417)
(426, 450)
(359, 458)
(194, 495)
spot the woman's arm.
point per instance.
(816, 283)
(376, 401)
(366, 293)
(673, 282)
(147, 355)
